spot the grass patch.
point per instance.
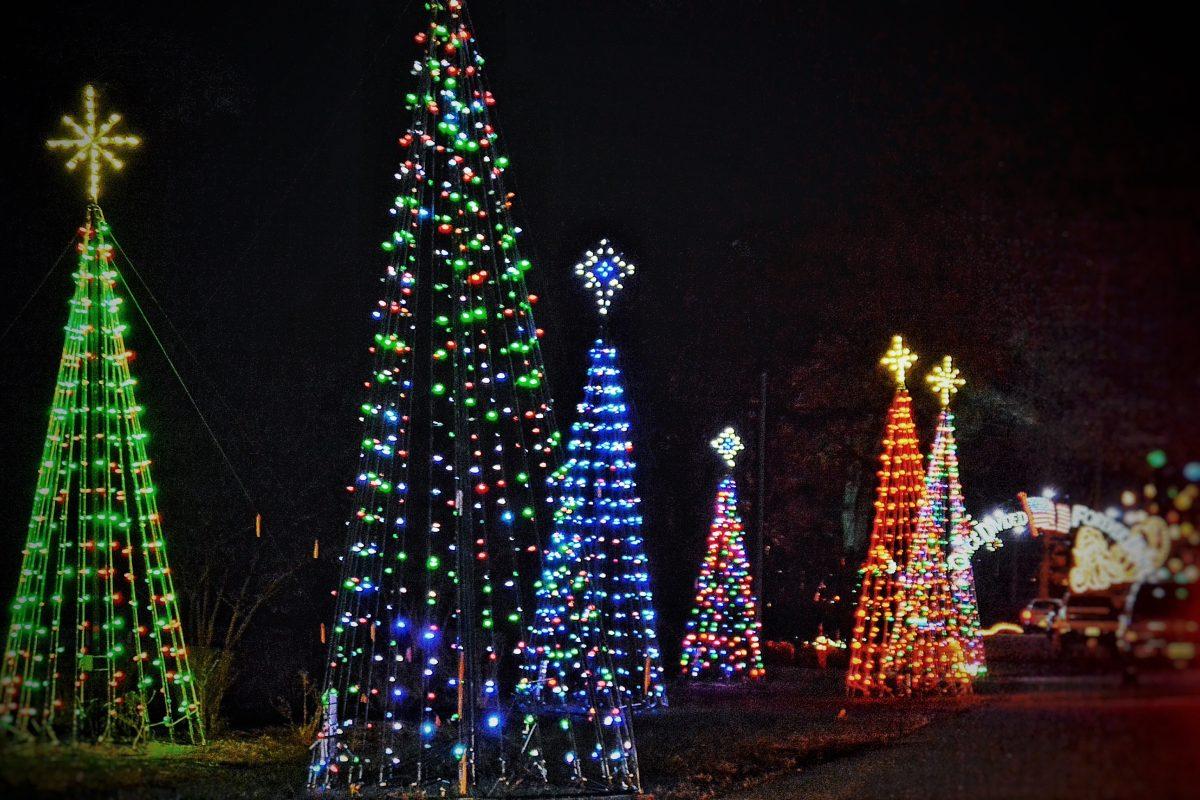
(711, 741)
(265, 766)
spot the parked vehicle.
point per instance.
(1039, 615)
(1090, 617)
(1160, 626)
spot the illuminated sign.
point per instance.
(1106, 551)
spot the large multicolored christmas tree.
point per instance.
(95, 649)
(595, 589)
(722, 641)
(425, 684)
(948, 513)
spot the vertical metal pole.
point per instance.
(762, 494)
(463, 773)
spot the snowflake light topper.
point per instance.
(944, 380)
(93, 142)
(898, 359)
(602, 270)
(728, 444)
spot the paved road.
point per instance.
(1036, 738)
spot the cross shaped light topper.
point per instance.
(898, 359)
(728, 444)
(93, 142)
(944, 380)
(602, 270)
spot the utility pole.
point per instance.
(762, 491)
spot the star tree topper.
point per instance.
(602, 270)
(728, 444)
(93, 142)
(898, 359)
(944, 380)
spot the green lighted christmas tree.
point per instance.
(95, 648)
(424, 692)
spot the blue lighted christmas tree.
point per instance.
(595, 590)
(722, 641)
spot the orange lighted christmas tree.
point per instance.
(897, 508)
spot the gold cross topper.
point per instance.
(93, 142)
(944, 380)
(898, 359)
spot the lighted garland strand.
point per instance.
(722, 642)
(95, 649)
(595, 589)
(430, 632)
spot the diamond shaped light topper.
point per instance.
(728, 444)
(602, 270)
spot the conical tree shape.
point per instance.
(900, 497)
(595, 591)
(95, 648)
(950, 519)
(424, 687)
(722, 641)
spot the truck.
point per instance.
(1091, 618)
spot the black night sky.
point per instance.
(1014, 184)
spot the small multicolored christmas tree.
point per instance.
(722, 641)
(95, 648)
(900, 497)
(948, 513)
(595, 588)
(426, 689)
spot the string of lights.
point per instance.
(446, 534)
(95, 648)
(722, 642)
(949, 516)
(595, 589)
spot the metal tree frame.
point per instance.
(426, 657)
(95, 649)
(595, 589)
